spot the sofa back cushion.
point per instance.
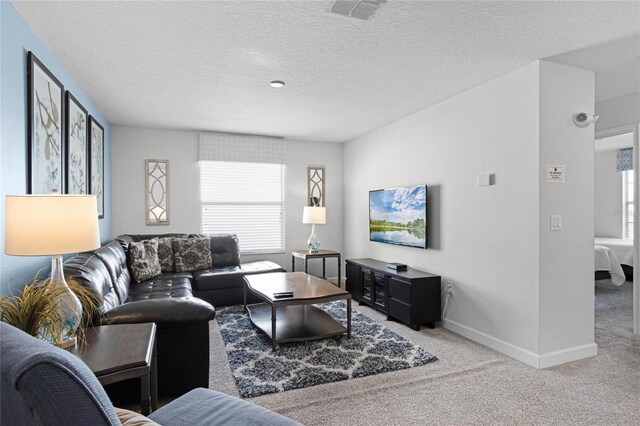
(114, 258)
(46, 385)
(89, 271)
(126, 239)
(225, 249)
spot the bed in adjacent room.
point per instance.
(607, 265)
(623, 249)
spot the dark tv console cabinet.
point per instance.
(412, 296)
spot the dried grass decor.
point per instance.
(33, 310)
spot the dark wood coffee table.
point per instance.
(294, 319)
(121, 352)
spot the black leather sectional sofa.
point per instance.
(222, 284)
(181, 304)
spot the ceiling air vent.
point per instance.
(360, 9)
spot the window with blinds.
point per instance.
(246, 199)
(627, 204)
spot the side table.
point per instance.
(120, 352)
(320, 254)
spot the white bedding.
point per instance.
(622, 248)
(606, 260)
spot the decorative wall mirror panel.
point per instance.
(315, 186)
(157, 191)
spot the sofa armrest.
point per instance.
(164, 312)
(208, 407)
(43, 384)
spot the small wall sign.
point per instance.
(555, 174)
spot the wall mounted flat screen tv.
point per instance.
(399, 216)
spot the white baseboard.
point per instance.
(513, 351)
(538, 361)
(567, 355)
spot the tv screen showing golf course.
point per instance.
(399, 216)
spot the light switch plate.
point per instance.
(556, 222)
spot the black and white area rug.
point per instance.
(372, 349)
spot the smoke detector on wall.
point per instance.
(583, 119)
(359, 9)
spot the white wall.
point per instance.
(566, 257)
(618, 111)
(485, 239)
(488, 240)
(131, 146)
(608, 196)
(301, 154)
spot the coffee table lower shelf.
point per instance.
(294, 323)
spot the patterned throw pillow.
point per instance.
(143, 260)
(191, 254)
(165, 254)
(130, 418)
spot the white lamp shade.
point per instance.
(39, 225)
(314, 215)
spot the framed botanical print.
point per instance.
(45, 141)
(77, 152)
(96, 162)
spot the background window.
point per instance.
(627, 204)
(245, 199)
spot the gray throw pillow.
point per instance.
(143, 260)
(191, 254)
(165, 254)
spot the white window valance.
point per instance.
(240, 148)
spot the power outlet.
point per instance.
(449, 286)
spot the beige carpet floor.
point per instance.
(471, 384)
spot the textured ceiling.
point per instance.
(206, 65)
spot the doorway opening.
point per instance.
(616, 230)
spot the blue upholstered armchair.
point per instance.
(44, 385)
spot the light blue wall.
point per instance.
(16, 39)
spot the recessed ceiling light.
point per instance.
(360, 9)
(277, 83)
